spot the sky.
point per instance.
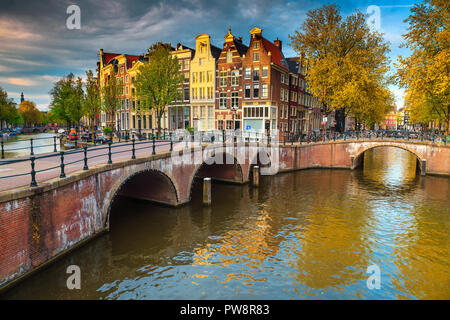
(37, 48)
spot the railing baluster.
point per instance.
(109, 153)
(54, 144)
(63, 174)
(85, 159)
(33, 174)
(171, 142)
(133, 151)
(3, 149)
(31, 147)
(153, 147)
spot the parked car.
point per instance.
(102, 139)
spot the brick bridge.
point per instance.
(38, 224)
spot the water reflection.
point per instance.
(305, 235)
(19, 146)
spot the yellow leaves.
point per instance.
(426, 72)
(346, 62)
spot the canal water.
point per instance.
(19, 146)
(310, 234)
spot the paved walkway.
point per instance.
(98, 157)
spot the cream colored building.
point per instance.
(203, 83)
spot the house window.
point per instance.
(229, 124)
(223, 100)
(127, 78)
(234, 99)
(223, 79)
(282, 94)
(220, 124)
(229, 56)
(255, 90)
(247, 91)
(282, 78)
(256, 74)
(256, 45)
(256, 56)
(235, 77)
(126, 90)
(264, 90)
(186, 94)
(265, 72)
(208, 76)
(128, 103)
(201, 60)
(247, 73)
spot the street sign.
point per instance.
(248, 127)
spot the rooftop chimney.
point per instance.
(278, 44)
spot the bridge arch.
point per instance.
(358, 157)
(148, 184)
(225, 172)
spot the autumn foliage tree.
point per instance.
(346, 64)
(30, 114)
(426, 72)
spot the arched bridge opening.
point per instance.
(220, 167)
(358, 160)
(148, 185)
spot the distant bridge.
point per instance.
(42, 222)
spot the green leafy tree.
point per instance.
(67, 99)
(91, 100)
(111, 102)
(346, 63)
(157, 81)
(8, 110)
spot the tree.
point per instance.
(425, 74)
(30, 114)
(91, 100)
(8, 110)
(157, 82)
(112, 90)
(345, 62)
(67, 98)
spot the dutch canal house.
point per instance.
(203, 83)
(229, 84)
(266, 86)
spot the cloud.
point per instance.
(30, 80)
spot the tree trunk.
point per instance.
(339, 117)
(159, 115)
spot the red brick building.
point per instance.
(266, 86)
(229, 81)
